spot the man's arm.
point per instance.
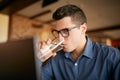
(47, 71)
(117, 71)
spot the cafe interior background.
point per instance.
(24, 19)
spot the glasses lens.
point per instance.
(64, 32)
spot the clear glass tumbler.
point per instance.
(45, 53)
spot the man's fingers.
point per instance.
(49, 41)
(43, 44)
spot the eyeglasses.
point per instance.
(64, 32)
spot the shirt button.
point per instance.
(75, 64)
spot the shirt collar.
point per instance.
(87, 51)
(68, 55)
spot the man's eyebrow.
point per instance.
(60, 29)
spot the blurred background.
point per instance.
(25, 19)
(21, 19)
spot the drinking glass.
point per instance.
(45, 53)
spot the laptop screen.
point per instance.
(17, 60)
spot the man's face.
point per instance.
(74, 40)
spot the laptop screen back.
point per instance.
(17, 60)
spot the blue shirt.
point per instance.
(98, 62)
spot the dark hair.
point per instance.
(76, 14)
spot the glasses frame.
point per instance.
(67, 29)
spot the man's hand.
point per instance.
(45, 52)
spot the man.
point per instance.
(80, 58)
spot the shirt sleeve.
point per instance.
(117, 72)
(117, 66)
(47, 71)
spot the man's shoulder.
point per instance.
(104, 48)
(106, 51)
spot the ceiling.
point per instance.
(103, 15)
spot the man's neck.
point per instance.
(78, 52)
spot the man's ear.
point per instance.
(84, 28)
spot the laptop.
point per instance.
(17, 61)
